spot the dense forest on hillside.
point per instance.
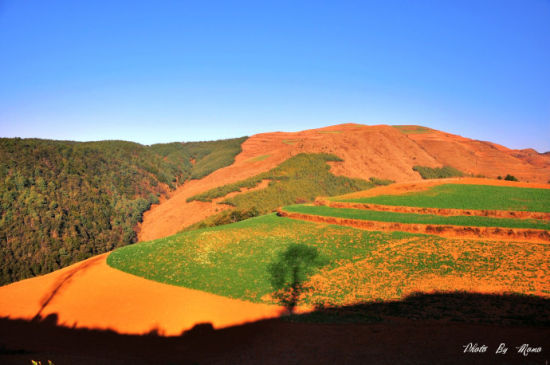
(62, 201)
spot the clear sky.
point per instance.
(162, 71)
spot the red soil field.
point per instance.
(91, 294)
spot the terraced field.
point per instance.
(408, 218)
(359, 265)
(450, 210)
(459, 196)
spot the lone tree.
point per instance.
(290, 270)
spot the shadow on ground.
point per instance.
(421, 329)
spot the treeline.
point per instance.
(437, 172)
(62, 201)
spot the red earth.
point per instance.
(91, 294)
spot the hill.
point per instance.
(65, 201)
(382, 152)
(370, 279)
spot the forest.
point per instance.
(63, 201)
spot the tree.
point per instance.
(290, 270)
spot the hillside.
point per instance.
(369, 279)
(380, 151)
(63, 201)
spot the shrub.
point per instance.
(437, 172)
(377, 181)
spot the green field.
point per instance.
(418, 218)
(232, 260)
(299, 179)
(459, 196)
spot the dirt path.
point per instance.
(435, 211)
(483, 233)
(91, 294)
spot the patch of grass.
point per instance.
(418, 218)
(329, 132)
(462, 196)
(437, 172)
(258, 158)
(290, 141)
(412, 129)
(233, 260)
(299, 179)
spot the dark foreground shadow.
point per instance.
(422, 329)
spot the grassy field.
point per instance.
(418, 218)
(232, 260)
(299, 179)
(469, 197)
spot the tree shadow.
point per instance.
(420, 329)
(290, 270)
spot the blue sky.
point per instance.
(164, 71)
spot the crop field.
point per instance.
(458, 196)
(410, 218)
(359, 265)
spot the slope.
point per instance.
(64, 201)
(91, 294)
(366, 151)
